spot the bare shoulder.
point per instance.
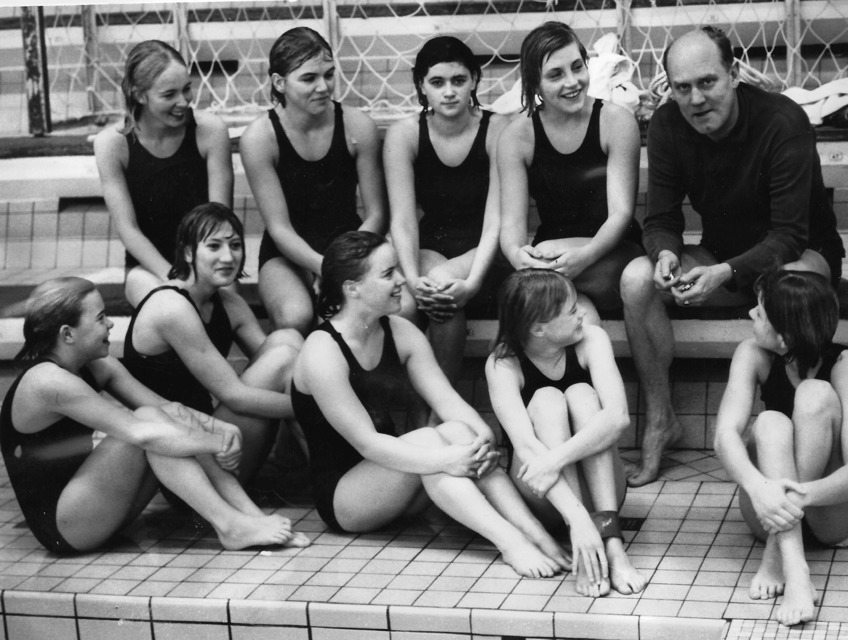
(616, 121)
(209, 126)
(505, 366)
(258, 133)
(749, 356)
(518, 135)
(110, 143)
(358, 124)
(403, 133)
(234, 304)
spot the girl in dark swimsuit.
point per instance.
(364, 474)
(790, 464)
(578, 158)
(75, 495)
(442, 161)
(180, 335)
(558, 394)
(163, 161)
(304, 161)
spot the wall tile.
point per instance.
(32, 627)
(112, 629)
(185, 631)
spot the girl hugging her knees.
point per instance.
(790, 463)
(364, 475)
(558, 394)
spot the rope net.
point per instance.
(787, 42)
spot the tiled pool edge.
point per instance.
(29, 614)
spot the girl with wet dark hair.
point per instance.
(790, 464)
(75, 495)
(304, 162)
(181, 333)
(163, 161)
(443, 162)
(578, 158)
(364, 475)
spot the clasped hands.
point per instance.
(474, 460)
(570, 262)
(778, 503)
(440, 299)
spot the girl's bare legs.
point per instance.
(784, 566)
(284, 291)
(500, 491)
(391, 493)
(271, 369)
(236, 530)
(111, 489)
(606, 484)
(233, 494)
(549, 414)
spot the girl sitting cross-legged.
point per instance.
(559, 397)
(790, 465)
(75, 495)
(364, 475)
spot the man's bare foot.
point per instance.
(768, 582)
(624, 577)
(527, 560)
(799, 602)
(251, 531)
(657, 438)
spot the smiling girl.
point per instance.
(443, 162)
(578, 158)
(790, 464)
(364, 475)
(75, 495)
(558, 394)
(163, 161)
(180, 334)
(304, 162)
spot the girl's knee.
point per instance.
(583, 394)
(547, 403)
(425, 437)
(456, 432)
(769, 426)
(816, 398)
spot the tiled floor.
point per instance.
(691, 543)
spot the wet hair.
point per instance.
(145, 62)
(444, 49)
(50, 306)
(802, 306)
(719, 38)
(536, 48)
(291, 50)
(197, 225)
(346, 259)
(527, 297)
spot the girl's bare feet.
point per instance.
(585, 586)
(251, 531)
(799, 601)
(768, 582)
(624, 577)
(528, 560)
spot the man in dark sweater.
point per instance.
(748, 163)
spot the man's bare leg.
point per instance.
(651, 341)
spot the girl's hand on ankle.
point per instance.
(587, 547)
